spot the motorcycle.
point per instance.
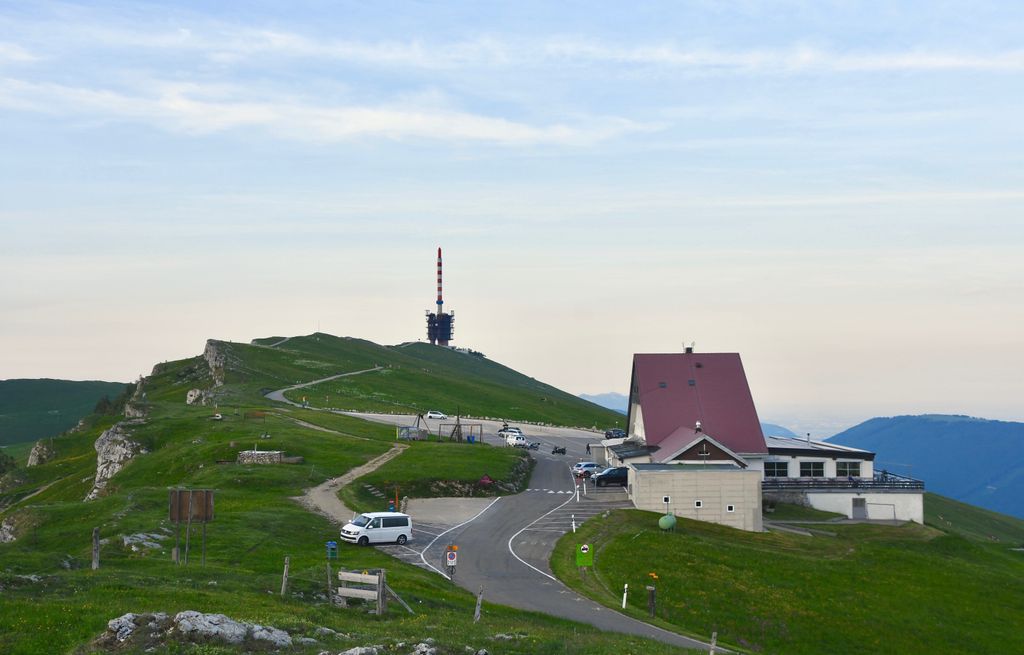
(533, 446)
(558, 451)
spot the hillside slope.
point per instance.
(52, 601)
(972, 460)
(414, 377)
(33, 409)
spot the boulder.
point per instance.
(7, 533)
(216, 358)
(114, 449)
(41, 453)
(210, 626)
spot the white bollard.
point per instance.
(574, 524)
(625, 589)
(577, 493)
(584, 487)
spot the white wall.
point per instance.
(902, 506)
(636, 423)
(716, 489)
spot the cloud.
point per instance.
(15, 53)
(199, 109)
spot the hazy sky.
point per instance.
(836, 191)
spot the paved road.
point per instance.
(506, 547)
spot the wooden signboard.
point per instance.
(190, 505)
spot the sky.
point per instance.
(833, 190)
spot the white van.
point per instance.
(377, 528)
(517, 440)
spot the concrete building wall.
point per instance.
(717, 491)
(900, 506)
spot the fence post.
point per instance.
(479, 601)
(382, 597)
(625, 590)
(95, 548)
(650, 599)
(284, 577)
(714, 641)
(329, 599)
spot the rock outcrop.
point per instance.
(7, 533)
(216, 358)
(195, 397)
(114, 449)
(41, 453)
(152, 630)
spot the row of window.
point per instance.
(811, 469)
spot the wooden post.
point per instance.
(650, 599)
(95, 548)
(479, 601)
(188, 526)
(342, 600)
(329, 598)
(382, 597)
(714, 642)
(284, 577)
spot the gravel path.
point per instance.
(323, 498)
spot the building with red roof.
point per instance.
(674, 397)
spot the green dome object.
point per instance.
(667, 522)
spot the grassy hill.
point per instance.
(33, 409)
(414, 377)
(973, 460)
(52, 602)
(869, 589)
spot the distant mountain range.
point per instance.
(973, 460)
(32, 409)
(620, 403)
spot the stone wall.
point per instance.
(260, 457)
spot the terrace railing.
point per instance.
(882, 481)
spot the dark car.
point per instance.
(615, 433)
(618, 475)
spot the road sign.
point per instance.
(584, 555)
(450, 557)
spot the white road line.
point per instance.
(537, 520)
(424, 559)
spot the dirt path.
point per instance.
(279, 394)
(323, 498)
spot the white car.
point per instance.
(436, 414)
(585, 469)
(517, 440)
(509, 431)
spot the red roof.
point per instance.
(675, 390)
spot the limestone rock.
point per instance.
(362, 650)
(216, 358)
(210, 626)
(195, 397)
(134, 410)
(277, 638)
(41, 453)
(7, 533)
(123, 626)
(114, 449)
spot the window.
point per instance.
(395, 522)
(698, 504)
(776, 469)
(812, 469)
(847, 469)
(730, 508)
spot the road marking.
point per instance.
(536, 520)
(424, 559)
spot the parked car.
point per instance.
(615, 475)
(436, 414)
(614, 433)
(517, 440)
(378, 527)
(507, 430)
(585, 469)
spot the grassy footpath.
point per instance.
(875, 589)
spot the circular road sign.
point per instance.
(450, 556)
(585, 548)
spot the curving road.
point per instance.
(505, 548)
